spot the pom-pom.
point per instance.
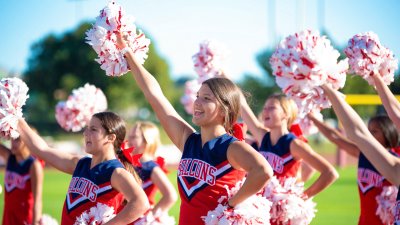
(254, 210)
(191, 89)
(75, 113)
(13, 95)
(307, 125)
(97, 215)
(102, 37)
(48, 220)
(209, 61)
(302, 63)
(387, 204)
(288, 202)
(158, 218)
(367, 58)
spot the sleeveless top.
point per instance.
(18, 196)
(89, 187)
(279, 156)
(203, 174)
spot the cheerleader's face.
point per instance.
(376, 131)
(16, 146)
(207, 109)
(136, 139)
(273, 114)
(96, 138)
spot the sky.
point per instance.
(176, 27)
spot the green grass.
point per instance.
(338, 204)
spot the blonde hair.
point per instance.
(228, 95)
(288, 106)
(151, 136)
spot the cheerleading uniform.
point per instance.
(397, 210)
(279, 156)
(204, 174)
(90, 186)
(18, 198)
(370, 184)
(144, 170)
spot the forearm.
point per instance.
(34, 142)
(389, 101)
(164, 204)
(37, 213)
(251, 120)
(325, 179)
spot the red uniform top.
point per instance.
(279, 156)
(18, 198)
(203, 173)
(90, 186)
(370, 184)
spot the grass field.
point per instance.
(336, 205)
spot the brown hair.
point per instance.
(113, 124)
(288, 106)
(228, 95)
(151, 136)
(389, 130)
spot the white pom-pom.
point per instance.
(191, 89)
(75, 113)
(96, 215)
(367, 58)
(13, 95)
(159, 218)
(288, 202)
(302, 63)
(307, 126)
(103, 39)
(387, 204)
(209, 61)
(254, 210)
(48, 220)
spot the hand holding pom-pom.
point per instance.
(302, 63)
(158, 218)
(75, 113)
(13, 95)
(368, 58)
(102, 37)
(48, 220)
(97, 215)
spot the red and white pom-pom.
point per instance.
(367, 57)
(387, 204)
(75, 113)
(288, 202)
(307, 125)
(158, 218)
(99, 214)
(302, 63)
(103, 39)
(13, 95)
(191, 89)
(209, 61)
(254, 210)
(48, 220)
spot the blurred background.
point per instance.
(43, 43)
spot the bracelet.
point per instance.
(125, 50)
(229, 206)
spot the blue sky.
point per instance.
(178, 26)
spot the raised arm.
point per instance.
(36, 172)
(256, 128)
(387, 164)
(175, 126)
(242, 156)
(328, 174)
(57, 158)
(389, 101)
(335, 136)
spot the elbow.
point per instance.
(331, 175)
(171, 198)
(265, 173)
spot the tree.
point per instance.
(60, 63)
